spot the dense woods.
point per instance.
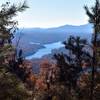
(67, 76)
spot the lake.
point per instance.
(45, 51)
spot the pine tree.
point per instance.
(94, 18)
(8, 26)
(70, 64)
(11, 87)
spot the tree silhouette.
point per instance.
(70, 63)
(94, 18)
(11, 86)
(8, 26)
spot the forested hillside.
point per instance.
(72, 74)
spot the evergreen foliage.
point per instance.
(8, 25)
(70, 64)
(94, 15)
(11, 87)
(94, 18)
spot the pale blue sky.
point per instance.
(53, 13)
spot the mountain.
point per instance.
(32, 39)
(49, 35)
(87, 28)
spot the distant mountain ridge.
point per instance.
(32, 39)
(87, 28)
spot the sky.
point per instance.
(52, 13)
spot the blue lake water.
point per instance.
(47, 50)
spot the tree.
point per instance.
(70, 63)
(11, 87)
(94, 18)
(8, 26)
(84, 84)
